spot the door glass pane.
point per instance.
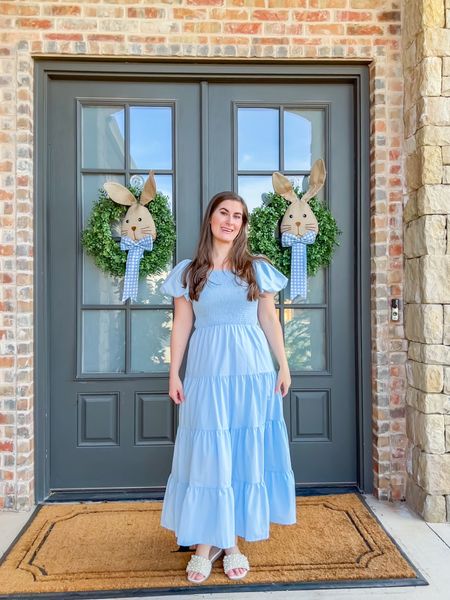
(103, 139)
(163, 185)
(151, 137)
(90, 187)
(103, 347)
(316, 290)
(150, 341)
(303, 138)
(148, 289)
(252, 188)
(305, 339)
(98, 287)
(258, 139)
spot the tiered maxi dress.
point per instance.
(231, 468)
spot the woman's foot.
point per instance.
(202, 550)
(238, 571)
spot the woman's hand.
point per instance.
(176, 389)
(283, 381)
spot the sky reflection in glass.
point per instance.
(151, 137)
(258, 133)
(252, 187)
(303, 138)
(102, 143)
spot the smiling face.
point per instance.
(226, 220)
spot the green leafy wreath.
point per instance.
(264, 221)
(98, 241)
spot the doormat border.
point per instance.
(419, 580)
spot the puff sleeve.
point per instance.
(172, 286)
(268, 278)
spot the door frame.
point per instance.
(250, 71)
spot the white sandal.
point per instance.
(203, 565)
(235, 560)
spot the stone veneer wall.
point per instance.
(297, 30)
(426, 46)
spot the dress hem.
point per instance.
(246, 539)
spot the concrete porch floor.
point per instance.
(426, 544)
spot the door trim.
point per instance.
(250, 71)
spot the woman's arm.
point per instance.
(181, 329)
(271, 326)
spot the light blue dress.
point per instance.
(231, 469)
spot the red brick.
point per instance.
(328, 3)
(353, 15)
(34, 23)
(105, 37)
(143, 13)
(65, 10)
(6, 166)
(394, 29)
(312, 15)
(250, 3)
(242, 28)
(6, 250)
(189, 13)
(307, 41)
(270, 15)
(14, 8)
(287, 3)
(68, 37)
(233, 41)
(206, 2)
(147, 39)
(6, 447)
(395, 249)
(272, 41)
(364, 30)
(393, 15)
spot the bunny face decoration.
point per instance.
(138, 222)
(137, 229)
(299, 225)
(299, 218)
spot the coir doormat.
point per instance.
(113, 549)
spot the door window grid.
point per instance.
(115, 143)
(289, 139)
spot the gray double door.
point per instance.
(112, 424)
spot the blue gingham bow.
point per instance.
(298, 261)
(135, 254)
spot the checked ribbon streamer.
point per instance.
(298, 261)
(135, 254)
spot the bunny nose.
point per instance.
(298, 222)
(134, 228)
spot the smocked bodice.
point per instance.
(223, 301)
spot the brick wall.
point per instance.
(325, 30)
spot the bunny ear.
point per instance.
(149, 189)
(119, 193)
(283, 187)
(316, 179)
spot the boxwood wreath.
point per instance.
(98, 241)
(264, 221)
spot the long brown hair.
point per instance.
(240, 259)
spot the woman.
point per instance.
(231, 471)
